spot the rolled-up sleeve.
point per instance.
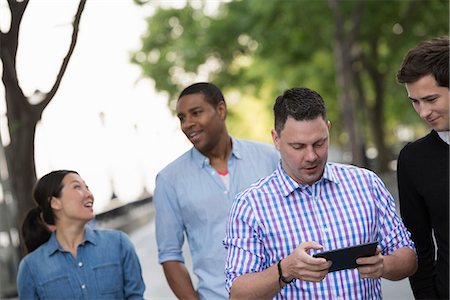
(392, 231)
(242, 241)
(169, 226)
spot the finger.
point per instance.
(306, 246)
(370, 260)
(378, 251)
(370, 271)
(313, 276)
(311, 260)
(317, 263)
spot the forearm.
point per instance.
(400, 264)
(179, 280)
(260, 285)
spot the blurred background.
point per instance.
(91, 86)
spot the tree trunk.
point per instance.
(23, 116)
(20, 157)
(376, 112)
(342, 49)
(377, 119)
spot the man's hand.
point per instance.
(299, 264)
(372, 266)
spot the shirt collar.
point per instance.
(289, 185)
(329, 173)
(444, 135)
(202, 161)
(52, 245)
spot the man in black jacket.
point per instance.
(423, 167)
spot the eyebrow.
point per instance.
(315, 142)
(190, 110)
(427, 97)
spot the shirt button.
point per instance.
(225, 192)
(83, 286)
(316, 198)
(80, 264)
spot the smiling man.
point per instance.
(423, 167)
(194, 193)
(308, 205)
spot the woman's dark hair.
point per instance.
(35, 231)
(211, 92)
(429, 57)
(300, 104)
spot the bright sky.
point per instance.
(139, 135)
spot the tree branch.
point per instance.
(9, 42)
(76, 24)
(17, 9)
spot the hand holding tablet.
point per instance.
(345, 258)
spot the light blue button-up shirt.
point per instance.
(106, 267)
(191, 199)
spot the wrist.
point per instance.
(282, 276)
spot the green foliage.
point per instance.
(396, 27)
(259, 48)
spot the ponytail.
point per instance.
(34, 230)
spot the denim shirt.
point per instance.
(106, 267)
(192, 200)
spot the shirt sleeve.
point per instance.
(169, 225)
(416, 218)
(245, 247)
(25, 283)
(134, 286)
(392, 232)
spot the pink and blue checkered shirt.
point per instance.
(347, 206)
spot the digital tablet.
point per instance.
(345, 258)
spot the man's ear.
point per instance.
(55, 203)
(276, 139)
(222, 109)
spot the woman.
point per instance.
(67, 259)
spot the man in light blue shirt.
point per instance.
(194, 193)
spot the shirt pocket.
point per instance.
(58, 288)
(109, 279)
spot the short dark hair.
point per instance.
(300, 104)
(211, 92)
(429, 57)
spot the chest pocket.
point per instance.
(109, 279)
(58, 288)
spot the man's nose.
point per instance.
(188, 122)
(311, 154)
(424, 110)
